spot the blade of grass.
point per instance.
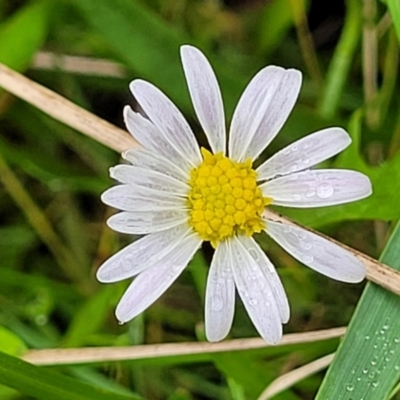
(48, 385)
(289, 379)
(394, 9)
(342, 59)
(102, 354)
(367, 364)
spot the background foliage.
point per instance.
(53, 235)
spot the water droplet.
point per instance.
(350, 388)
(375, 384)
(397, 367)
(310, 192)
(367, 337)
(307, 258)
(365, 371)
(306, 245)
(287, 229)
(325, 190)
(397, 340)
(373, 362)
(253, 301)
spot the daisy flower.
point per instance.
(178, 195)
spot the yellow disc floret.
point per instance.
(224, 198)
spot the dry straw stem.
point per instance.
(106, 354)
(117, 139)
(289, 379)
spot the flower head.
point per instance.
(179, 195)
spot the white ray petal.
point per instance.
(153, 282)
(317, 253)
(133, 175)
(147, 159)
(220, 295)
(139, 198)
(168, 120)
(262, 110)
(144, 222)
(271, 275)
(317, 188)
(304, 153)
(151, 139)
(206, 96)
(255, 293)
(141, 254)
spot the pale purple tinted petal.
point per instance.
(262, 110)
(153, 282)
(317, 253)
(206, 96)
(255, 292)
(304, 153)
(220, 295)
(152, 140)
(139, 198)
(147, 159)
(145, 177)
(144, 222)
(168, 120)
(317, 188)
(141, 254)
(269, 271)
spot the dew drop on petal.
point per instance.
(325, 190)
(307, 258)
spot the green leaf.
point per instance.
(367, 364)
(44, 384)
(23, 34)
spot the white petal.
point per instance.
(206, 96)
(317, 188)
(153, 282)
(305, 153)
(151, 139)
(147, 159)
(317, 253)
(255, 293)
(262, 110)
(139, 198)
(140, 255)
(168, 120)
(270, 274)
(132, 175)
(220, 295)
(144, 222)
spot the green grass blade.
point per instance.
(45, 384)
(367, 363)
(394, 9)
(342, 60)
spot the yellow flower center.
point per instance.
(224, 198)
